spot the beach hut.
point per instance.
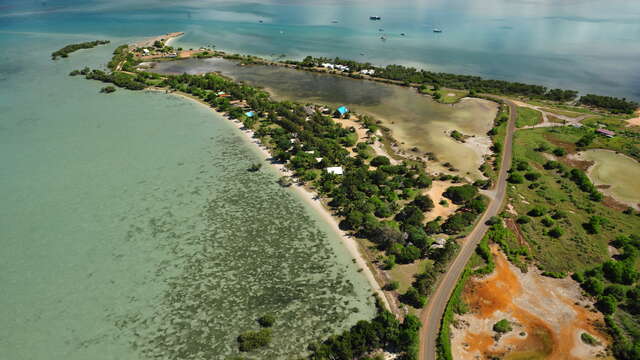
(336, 170)
(342, 110)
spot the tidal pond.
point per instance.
(415, 120)
(617, 171)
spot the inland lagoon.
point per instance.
(616, 173)
(416, 120)
(131, 229)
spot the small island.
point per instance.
(65, 51)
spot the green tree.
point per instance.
(461, 194)
(380, 161)
(502, 326)
(515, 178)
(267, 320)
(607, 304)
(593, 286)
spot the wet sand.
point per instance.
(547, 315)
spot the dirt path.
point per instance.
(548, 317)
(546, 115)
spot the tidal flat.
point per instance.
(415, 120)
(616, 174)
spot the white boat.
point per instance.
(436, 30)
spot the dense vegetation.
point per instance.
(65, 51)
(410, 75)
(614, 105)
(124, 80)
(383, 332)
(614, 283)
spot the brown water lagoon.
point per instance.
(415, 120)
(618, 172)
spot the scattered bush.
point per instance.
(252, 340)
(502, 326)
(266, 320)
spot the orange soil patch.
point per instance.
(546, 321)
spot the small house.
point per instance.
(607, 133)
(145, 51)
(439, 243)
(249, 114)
(328, 66)
(342, 110)
(336, 170)
(309, 110)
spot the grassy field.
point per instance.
(445, 95)
(528, 117)
(405, 273)
(575, 249)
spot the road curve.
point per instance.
(431, 316)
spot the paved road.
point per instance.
(431, 316)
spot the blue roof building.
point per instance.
(343, 110)
(249, 114)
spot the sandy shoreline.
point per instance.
(310, 198)
(149, 42)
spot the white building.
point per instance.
(328, 66)
(367, 72)
(337, 170)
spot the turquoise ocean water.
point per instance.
(129, 227)
(587, 45)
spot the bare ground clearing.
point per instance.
(548, 317)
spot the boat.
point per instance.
(436, 30)
(402, 34)
(375, 18)
(383, 38)
(334, 21)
